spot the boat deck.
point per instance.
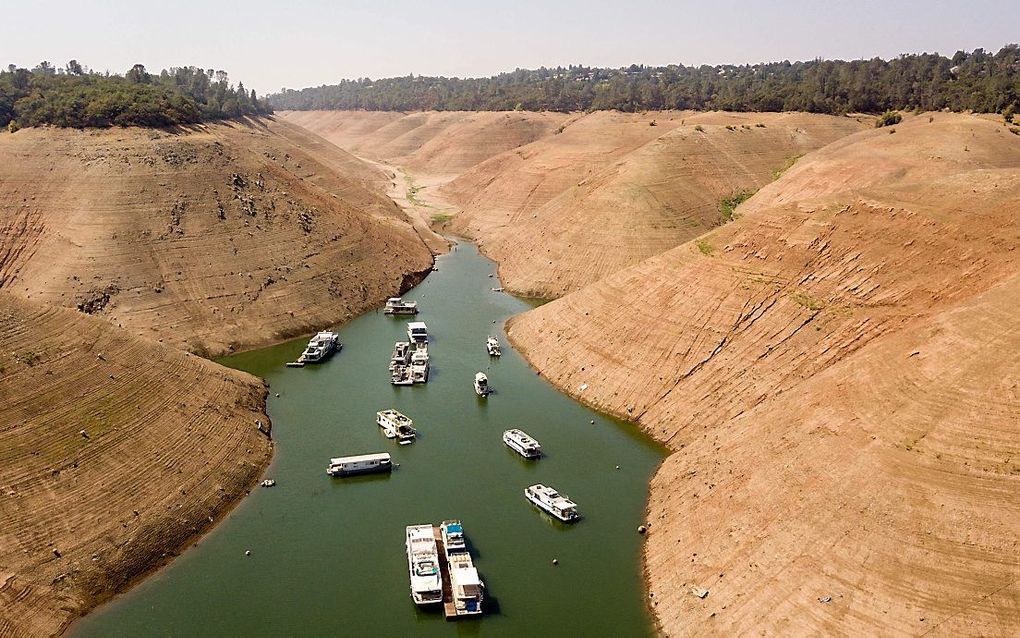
(449, 609)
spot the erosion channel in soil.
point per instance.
(327, 555)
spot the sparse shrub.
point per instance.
(705, 248)
(561, 128)
(892, 130)
(730, 127)
(652, 123)
(790, 161)
(931, 118)
(807, 301)
(1014, 130)
(759, 125)
(1008, 113)
(728, 205)
(12, 127)
(699, 128)
(889, 118)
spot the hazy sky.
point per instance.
(269, 45)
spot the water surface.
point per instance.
(327, 555)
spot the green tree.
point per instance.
(137, 74)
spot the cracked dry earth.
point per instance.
(836, 372)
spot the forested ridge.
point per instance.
(978, 81)
(73, 96)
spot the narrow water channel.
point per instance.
(327, 555)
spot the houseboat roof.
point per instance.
(553, 496)
(467, 576)
(383, 456)
(417, 325)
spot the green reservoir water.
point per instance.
(327, 555)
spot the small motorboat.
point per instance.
(482, 388)
(492, 346)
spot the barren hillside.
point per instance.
(624, 208)
(116, 452)
(834, 371)
(214, 238)
(512, 184)
(433, 145)
(561, 200)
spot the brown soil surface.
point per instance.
(562, 200)
(212, 239)
(836, 371)
(428, 144)
(611, 190)
(170, 444)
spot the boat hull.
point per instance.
(377, 469)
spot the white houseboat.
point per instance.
(417, 332)
(467, 588)
(397, 306)
(453, 536)
(396, 426)
(552, 502)
(482, 388)
(401, 354)
(319, 347)
(423, 565)
(420, 364)
(401, 375)
(492, 346)
(362, 464)
(409, 363)
(522, 443)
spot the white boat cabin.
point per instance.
(552, 502)
(361, 464)
(418, 332)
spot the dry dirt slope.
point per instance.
(556, 221)
(433, 145)
(561, 200)
(836, 371)
(171, 444)
(219, 237)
